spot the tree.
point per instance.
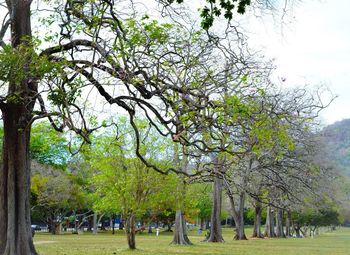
(123, 184)
(137, 56)
(49, 147)
(204, 206)
(55, 193)
(180, 233)
(215, 221)
(269, 140)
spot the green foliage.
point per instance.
(48, 146)
(18, 64)
(68, 94)
(317, 218)
(203, 203)
(121, 182)
(249, 215)
(217, 8)
(148, 32)
(54, 192)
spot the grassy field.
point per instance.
(328, 243)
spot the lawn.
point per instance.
(328, 243)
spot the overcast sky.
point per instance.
(313, 47)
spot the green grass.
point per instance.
(328, 243)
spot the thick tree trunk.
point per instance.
(15, 230)
(240, 234)
(55, 227)
(289, 224)
(215, 223)
(180, 233)
(279, 223)
(270, 225)
(130, 231)
(238, 217)
(257, 221)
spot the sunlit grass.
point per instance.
(328, 243)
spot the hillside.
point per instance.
(337, 139)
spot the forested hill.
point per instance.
(337, 138)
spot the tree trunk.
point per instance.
(215, 223)
(238, 217)
(297, 229)
(289, 224)
(279, 223)
(130, 231)
(57, 228)
(257, 221)
(270, 225)
(207, 224)
(304, 230)
(169, 225)
(180, 233)
(202, 224)
(111, 223)
(15, 229)
(94, 224)
(91, 223)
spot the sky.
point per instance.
(312, 47)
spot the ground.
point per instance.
(328, 243)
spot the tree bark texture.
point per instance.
(130, 231)
(279, 223)
(238, 216)
(215, 223)
(180, 233)
(270, 225)
(289, 224)
(257, 221)
(15, 229)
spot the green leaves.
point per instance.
(49, 147)
(17, 64)
(146, 32)
(66, 94)
(217, 8)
